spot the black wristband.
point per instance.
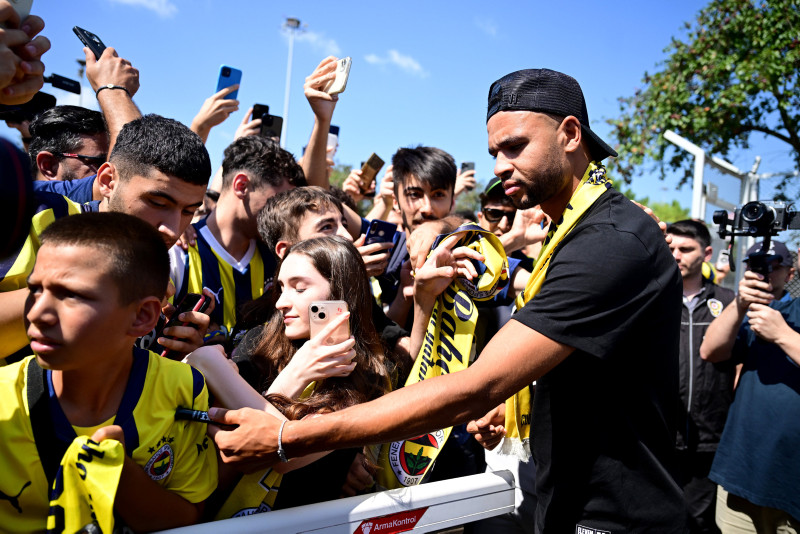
(111, 86)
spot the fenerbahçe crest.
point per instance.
(411, 459)
(160, 465)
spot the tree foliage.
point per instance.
(736, 72)
(667, 212)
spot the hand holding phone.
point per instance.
(191, 302)
(339, 83)
(370, 170)
(90, 40)
(321, 313)
(229, 76)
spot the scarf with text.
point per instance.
(85, 486)
(448, 347)
(518, 408)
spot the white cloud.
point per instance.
(394, 58)
(487, 26)
(319, 42)
(162, 8)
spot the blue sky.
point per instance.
(421, 70)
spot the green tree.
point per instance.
(667, 212)
(736, 72)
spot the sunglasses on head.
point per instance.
(494, 215)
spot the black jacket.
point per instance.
(706, 389)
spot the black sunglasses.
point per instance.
(89, 161)
(494, 215)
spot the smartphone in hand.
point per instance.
(370, 170)
(380, 232)
(322, 312)
(338, 84)
(259, 110)
(229, 76)
(468, 166)
(191, 302)
(90, 40)
(271, 126)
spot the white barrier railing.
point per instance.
(423, 508)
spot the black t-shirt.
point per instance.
(604, 419)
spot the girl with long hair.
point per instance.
(301, 375)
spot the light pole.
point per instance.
(293, 25)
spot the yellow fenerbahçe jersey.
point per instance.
(14, 269)
(34, 433)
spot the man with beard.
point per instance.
(598, 332)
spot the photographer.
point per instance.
(755, 464)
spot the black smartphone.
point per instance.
(271, 126)
(259, 110)
(468, 166)
(191, 302)
(380, 232)
(90, 40)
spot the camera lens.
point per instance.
(226, 71)
(314, 309)
(758, 214)
(322, 315)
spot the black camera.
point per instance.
(760, 218)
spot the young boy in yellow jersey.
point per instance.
(96, 286)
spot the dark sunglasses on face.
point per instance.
(494, 215)
(89, 161)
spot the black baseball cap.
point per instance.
(546, 91)
(777, 252)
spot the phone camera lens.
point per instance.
(322, 315)
(226, 72)
(314, 309)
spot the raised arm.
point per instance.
(214, 111)
(116, 101)
(322, 104)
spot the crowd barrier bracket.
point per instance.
(423, 508)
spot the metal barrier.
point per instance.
(423, 508)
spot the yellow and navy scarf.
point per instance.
(518, 408)
(85, 486)
(448, 347)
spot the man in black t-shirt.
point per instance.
(600, 337)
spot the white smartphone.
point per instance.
(338, 84)
(322, 312)
(22, 7)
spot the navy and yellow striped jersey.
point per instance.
(14, 269)
(208, 264)
(177, 455)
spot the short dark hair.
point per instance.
(58, 130)
(282, 214)
(693, 229)
(431, 166)
(139, 259)
(155, 142)
(263, 159)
